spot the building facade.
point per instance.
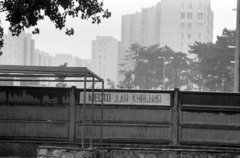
(20, 50)
(185, 21)
(173, 23)
(105, 58)
(41, 58)
(17, 50)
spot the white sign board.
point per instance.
(127, 98)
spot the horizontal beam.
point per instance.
(48, 80)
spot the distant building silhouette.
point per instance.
(175, 23)
(17, 50)
(20, 50)
(105, 58)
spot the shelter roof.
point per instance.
(47, 71)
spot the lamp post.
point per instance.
(237, 54)
(163, 71)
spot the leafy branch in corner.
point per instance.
(22, 14)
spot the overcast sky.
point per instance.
(56, 42)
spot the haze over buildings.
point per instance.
(105, 57)
(175, 23)
(21, 51)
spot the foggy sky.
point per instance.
(56, 42)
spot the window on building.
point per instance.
(200, 5)
(182, 15)
(189, 16)
(189, 26)
(190, 5)
(199, 36)
(199, 26)
(182, 5)
(200, 15)
(182, 36)
(182, 26)
(182, 46)
(189, 36)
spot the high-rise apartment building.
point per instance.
(20, 50)
(175, 23)
(17, 50)
(105, 57)
(185, 21)
(41, 58)
(142, 28)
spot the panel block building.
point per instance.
(173, 23)
(105, 58)
(185, 21)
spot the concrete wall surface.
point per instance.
(60, 152)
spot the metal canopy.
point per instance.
(47, 72)
(40, 73)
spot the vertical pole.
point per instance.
(236, 73)
(175, 117)
(102, 113)
(164, 73)
(83, 117)
(91, 138)
(72, 113)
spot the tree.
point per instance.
(127, 83)
(147, 67)
(213, 63)
(111, 84)
(177, 68)
(23, 14)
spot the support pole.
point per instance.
(83, 113)
(236, 73)
(72, 117)
(175, 118)
(91, 138)
(101, 132)
(164, 73)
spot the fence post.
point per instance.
(175, 117)
(72, 114)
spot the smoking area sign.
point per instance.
(127, 98)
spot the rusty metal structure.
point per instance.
(49, 74)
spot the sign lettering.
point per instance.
(127, 98)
